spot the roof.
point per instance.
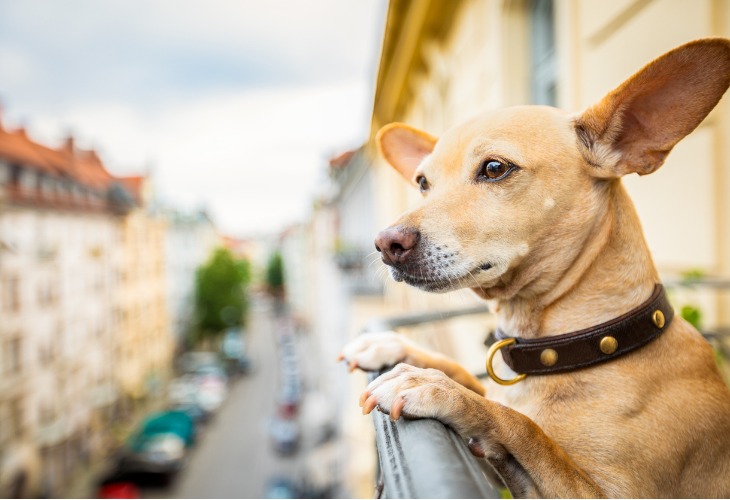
(341, 159)
(82, 166)
(134, 184)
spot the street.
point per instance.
(234, 456)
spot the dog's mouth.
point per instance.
(438, 281)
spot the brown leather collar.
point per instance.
(593, 345)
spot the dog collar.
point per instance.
(570, 351)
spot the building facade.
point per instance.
(83, 321)
(61, 217)
(144, 342)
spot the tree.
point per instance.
(220, 294)
(275, 274)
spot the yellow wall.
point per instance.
(145, 342)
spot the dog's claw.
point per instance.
(397, 407)
(363, 397)
(370, 403)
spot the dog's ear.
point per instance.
(635, 126)
(404, 147)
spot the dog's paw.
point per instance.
(375, 351)
(413, 393)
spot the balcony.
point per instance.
(424, 458)
(354, 266)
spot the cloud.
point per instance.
(253, 157)
(157, 50)
(235, 104)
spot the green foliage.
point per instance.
(275, 272)
(504, 493)
(220, 294)
(693, 274)
(692, 314)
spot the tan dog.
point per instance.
(525, 206)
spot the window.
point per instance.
(47, 293)
(15, 171)
(5, 434)
(17, 425)
(10, 299)
(13, 361)
(28, 181)
(4, 173)
(543, 64)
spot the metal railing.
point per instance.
(424, 458)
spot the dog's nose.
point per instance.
(396, 243)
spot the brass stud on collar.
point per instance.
(658, 318)
(608, 345)
(548, 357)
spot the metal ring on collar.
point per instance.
(490, 355)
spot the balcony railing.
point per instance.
(424, 458)
(14, 194)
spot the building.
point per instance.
(144, 343)
(61, 224)
(85, 332)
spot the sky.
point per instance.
(231, 105)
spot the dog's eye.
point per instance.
(422, 183)
(494, 170)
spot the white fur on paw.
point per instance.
(374, 351)
(424, 393)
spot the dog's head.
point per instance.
(513, 195)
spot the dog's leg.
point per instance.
(530, 463)
(375, 351)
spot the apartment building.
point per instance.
(144, 341)
(84, 330)
(61, 218)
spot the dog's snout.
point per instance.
(397, 243)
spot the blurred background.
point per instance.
(188, 198)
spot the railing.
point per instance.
(717, 336)
(15, 194)
(424, 458)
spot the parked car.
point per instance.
(285, 435)
(173, 422)
(288, 398)
(281, 488)
(205, 380)
(183, 395)
(194, 360)
(211, 386)
(159, 444)
(234, 352)
(117, 489)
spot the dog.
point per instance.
(525, 207)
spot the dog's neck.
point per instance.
(612, 274)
